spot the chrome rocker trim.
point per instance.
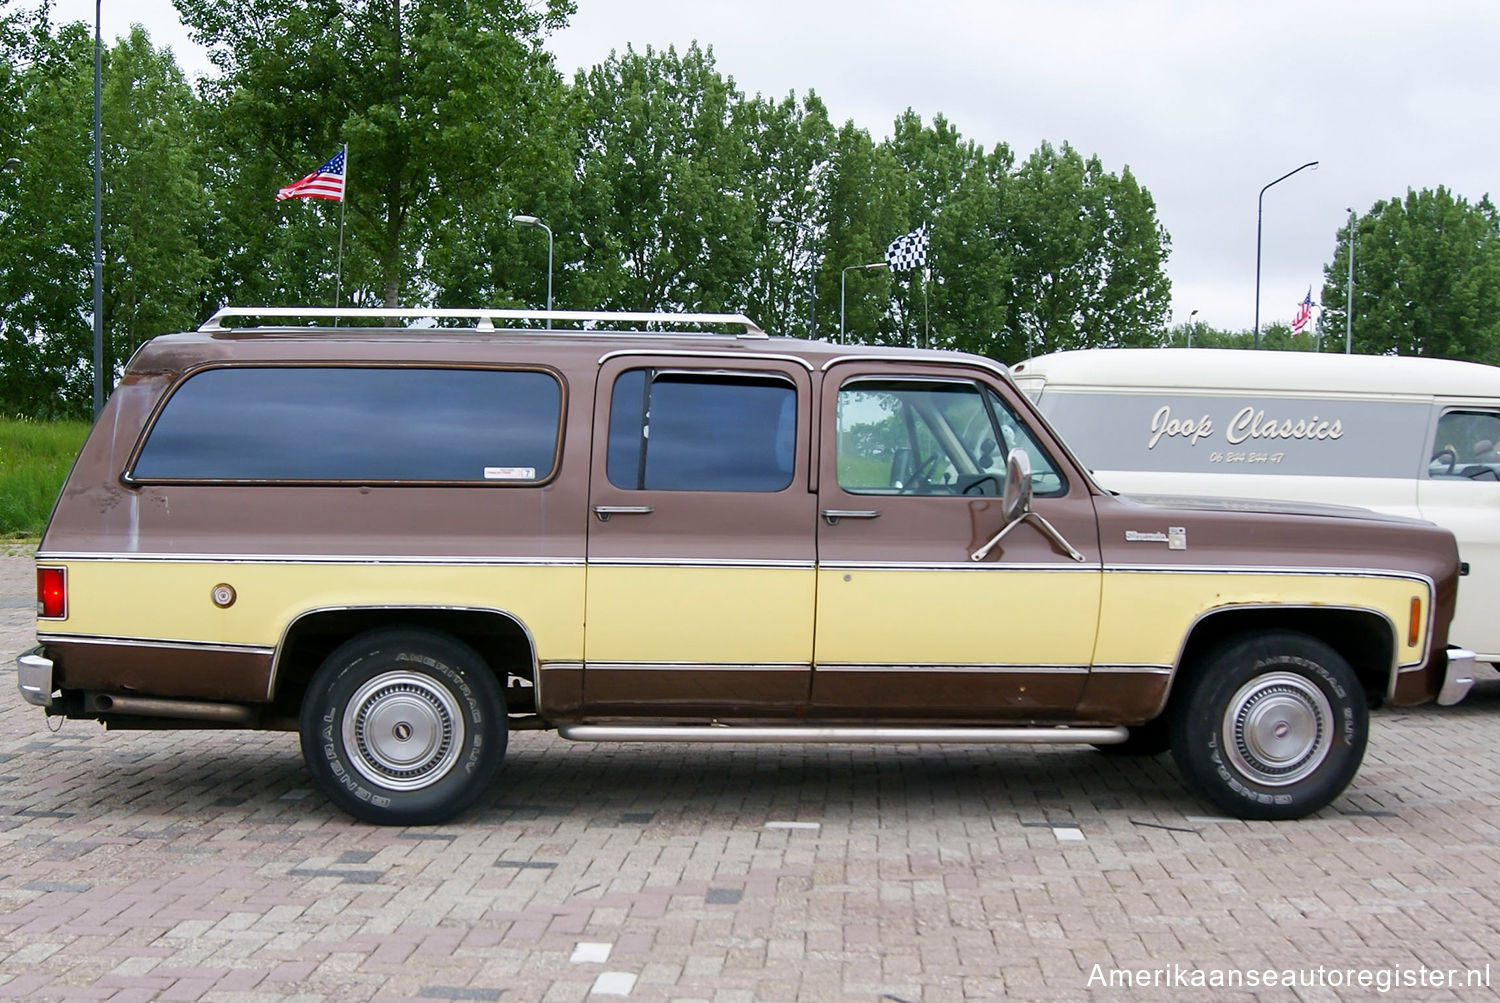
(856, 735)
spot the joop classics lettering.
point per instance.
(1251, 423)
(1248, 423)
(1162, 423)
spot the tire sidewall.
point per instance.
(448, 662)
(1198, 739)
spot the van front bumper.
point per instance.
(34, 677)
(1458, 678)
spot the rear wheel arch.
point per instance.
(499, 638)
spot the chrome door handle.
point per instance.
(605, 511)
(833, 515)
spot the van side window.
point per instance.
(1467, 445)
(682, 431)
(930, 437)
(339, 424)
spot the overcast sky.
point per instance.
(1204, 100)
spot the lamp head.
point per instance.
(526, 220)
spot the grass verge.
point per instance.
(34, 459)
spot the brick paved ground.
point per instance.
(201, 866)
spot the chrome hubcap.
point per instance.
(403, 730)
(1278, 729)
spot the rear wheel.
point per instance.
(403, 727)
(1273, 726)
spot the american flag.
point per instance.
(1304, 312)
(908, 251)
(327, 182)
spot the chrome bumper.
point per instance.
(1458, 678)
(34, 677)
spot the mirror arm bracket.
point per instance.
(1041, 522)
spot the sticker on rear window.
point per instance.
(510, 473)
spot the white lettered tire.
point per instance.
(1271, 726)
(403, 727)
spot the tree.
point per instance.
(1426, 278)
(441, 103)
(1090, 256)
(153, 216)
(662, 207)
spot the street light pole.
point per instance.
(812, 278)
(844, 278)
(98, 231)
(1190, 328)
(1259, 208)
(533, 221)
(1349, 299)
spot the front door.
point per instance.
(1461, 492)
(701, 540)
(909, 624)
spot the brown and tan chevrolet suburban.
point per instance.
(405, 542)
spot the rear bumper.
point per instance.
(34, 677)
(1458, 677)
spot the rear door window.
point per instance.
(688, 431)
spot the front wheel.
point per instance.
(1273, 726)
(403, 727)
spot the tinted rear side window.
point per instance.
(699, 432)
(355, 424)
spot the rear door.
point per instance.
(701, 540)
(909, 625)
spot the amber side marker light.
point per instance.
(1414, 627)
(51, 593)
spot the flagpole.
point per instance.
(338, 274)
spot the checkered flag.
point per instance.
(908, 251)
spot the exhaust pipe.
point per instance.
(192, 710)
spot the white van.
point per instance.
(1410, 436)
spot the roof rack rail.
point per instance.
(485, 319)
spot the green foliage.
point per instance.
(441, 102)
(1276, 337)
(153, 200)
(34, 459)
(659, 178)
(663, 216)
(1426, 278)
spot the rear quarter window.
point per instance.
(329, 424)
(1240, 434)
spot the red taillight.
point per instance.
(51, 593)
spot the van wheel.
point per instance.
(1272, 727)
(403, 727)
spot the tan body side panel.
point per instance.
(172, 600)
(1146, 615)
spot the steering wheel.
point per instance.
(923, 468)
(977, 486)
(1450, 455)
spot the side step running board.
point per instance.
(855, 735)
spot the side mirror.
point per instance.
(1015, 508)
(1015, 496)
